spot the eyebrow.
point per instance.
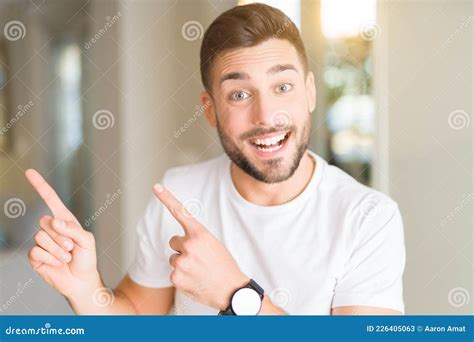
(281, 67)
(244, 76)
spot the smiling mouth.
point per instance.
(271, 144)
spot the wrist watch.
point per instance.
(246, 301)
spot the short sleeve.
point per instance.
(373, 273)
(150, 267)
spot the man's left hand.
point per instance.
(203, 268)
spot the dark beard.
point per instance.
(237, 156)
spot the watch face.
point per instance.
(246, 301)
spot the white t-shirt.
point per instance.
(339, 243)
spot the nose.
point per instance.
(263, 111)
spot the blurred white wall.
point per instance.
(424, 92)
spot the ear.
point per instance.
(208, 107)
(311, 91)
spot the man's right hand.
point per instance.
(64, 254)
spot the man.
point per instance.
(267, 228)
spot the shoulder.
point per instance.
(194, 177)
(187, 183)
(358, 202)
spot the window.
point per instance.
(349, 28)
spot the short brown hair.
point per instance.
(246, 26)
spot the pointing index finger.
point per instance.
(176, 208)
(49, 196)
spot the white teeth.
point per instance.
(269, 141)
(270, 149)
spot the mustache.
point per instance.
(262, 131)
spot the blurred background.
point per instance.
(101, 97)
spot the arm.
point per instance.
(269, 309)
(64, 255)
(372, 281)
(129, 298)
(363, 310)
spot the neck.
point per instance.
(266, 194)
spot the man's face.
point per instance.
(262, 103)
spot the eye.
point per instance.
(284, 88)
(239, 96)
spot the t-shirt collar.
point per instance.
(294, 204)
